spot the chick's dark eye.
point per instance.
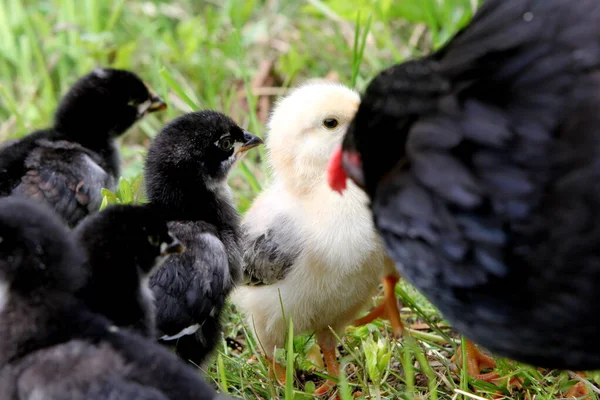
(154, 240)
(226, 144)
(330, 123)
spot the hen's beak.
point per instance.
(175, 247)
(344, 165)
(353, 165)
(250, 141)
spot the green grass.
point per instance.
(205, 54)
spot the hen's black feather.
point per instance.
(67, 165)
(186, 172)
(52, 346)
(481, 161)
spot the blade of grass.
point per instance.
(166, 75)
(358, 49)
(424, 363)
(114, 16)
(12, 106)
(222, 375)
(289, 373)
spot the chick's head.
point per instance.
(136, 233)
(194, 151)
(306, 126)
(103, 104)
(36, 249)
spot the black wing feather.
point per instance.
(269, 255)
(66, 176)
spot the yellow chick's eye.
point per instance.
(330, 123)
(226, 144)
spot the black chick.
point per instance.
(52, 346)
(481, 162)
(123, 243)
(67, 165)
(186, 177)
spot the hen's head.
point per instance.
(306, 126)
(376, 138)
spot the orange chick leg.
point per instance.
(276, 370)
(476, 362)
(387, 309)
(327, 342)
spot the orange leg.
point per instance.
(377, 312)
(277, 370)
(328, 342)
(477, 361)
(579, 390)
(388, 308)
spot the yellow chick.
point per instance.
(305, 246)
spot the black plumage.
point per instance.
(186, 178)
(123, 243)
(52, 346)
(68, 164)
(481, 162)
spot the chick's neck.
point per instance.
(188, 202)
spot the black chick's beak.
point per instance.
(250, 141)
(175, 247)
(153, 104)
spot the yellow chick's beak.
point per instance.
(250, 141)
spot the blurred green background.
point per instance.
(203, 54)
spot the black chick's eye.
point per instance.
(226, 144)
(154, 240)
(330, 123)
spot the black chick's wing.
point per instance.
(268, 254)
(483, 213)
(190, 290)
(13, 154)
(67, 176)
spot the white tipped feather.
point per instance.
(4, 290)
(190, 330)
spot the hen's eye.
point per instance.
(154, 241)
(226, 144)
(330, 123)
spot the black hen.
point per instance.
(123, 244)
(480, 161)
(52, 346)
(186, 178)
(67, 165)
